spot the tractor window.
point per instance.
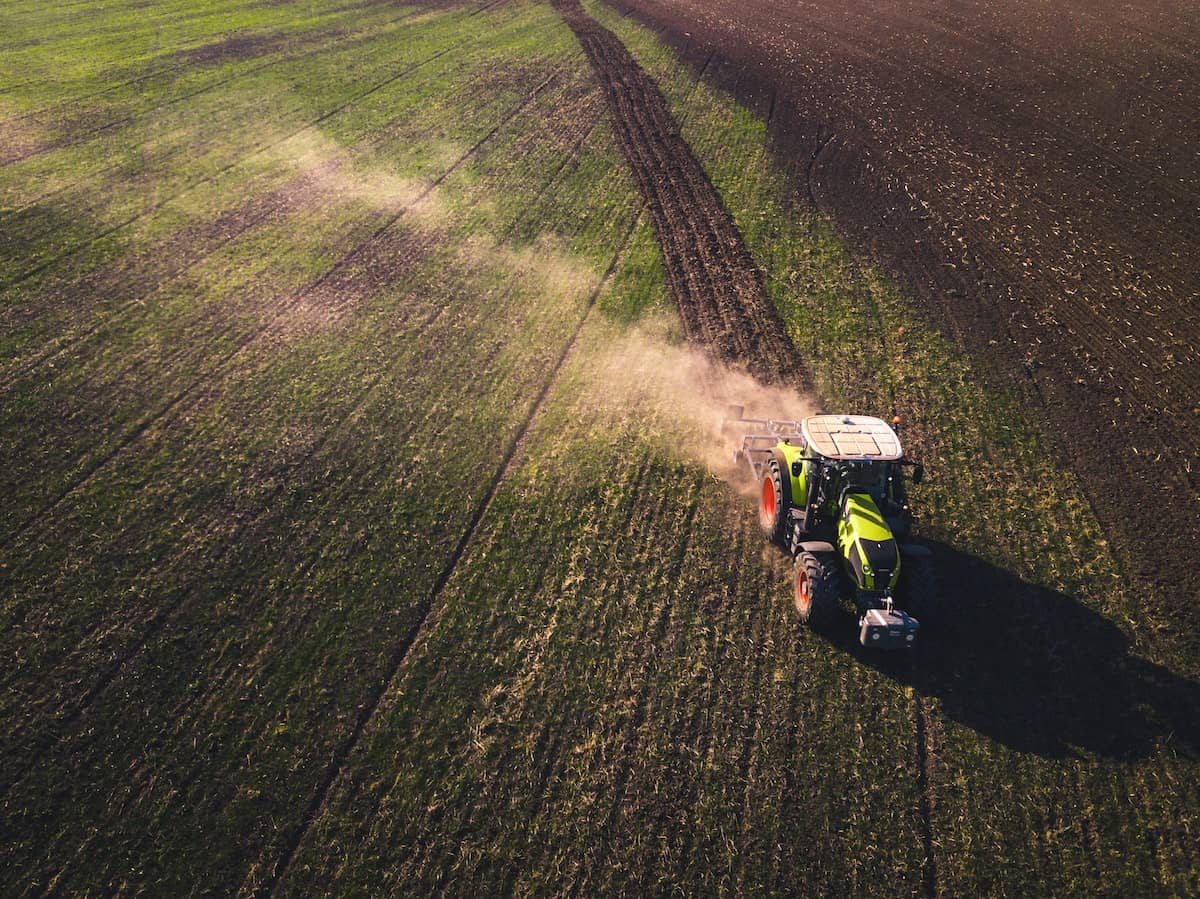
(865, 475)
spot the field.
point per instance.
(367, 533)
(1028, 169)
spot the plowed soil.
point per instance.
(713, 280)
(1029, 169)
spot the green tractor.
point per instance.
(831, 494)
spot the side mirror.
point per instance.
(918, 474)
(797, 468)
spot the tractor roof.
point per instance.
(852, 437)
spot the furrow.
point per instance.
(712, 277)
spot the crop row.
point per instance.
(333, 574)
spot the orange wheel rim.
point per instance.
(803, 590)
(768, 500)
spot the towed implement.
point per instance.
(831, 494)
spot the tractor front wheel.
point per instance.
(816, 589)
(773, 504)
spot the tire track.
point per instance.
(633, 532)
(167, 263)
(343, 44)
(141, 275)
(925, 751)
(305, 50)
(161, 618)
(749, 760)
(178, 399)
(169, 616)
(649, 666)
(279, 871)
(712, 277)
(721, 700)
(128, 278)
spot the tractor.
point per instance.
(831, 494)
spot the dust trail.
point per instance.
(547, 264)
(679, 389)
(333, 172)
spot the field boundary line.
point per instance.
(137, 430)
(282, 866)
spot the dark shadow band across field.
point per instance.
(1034, 669)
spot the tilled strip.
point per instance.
(711, 275)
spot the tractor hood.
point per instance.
(866, 543)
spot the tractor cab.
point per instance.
(857, 454)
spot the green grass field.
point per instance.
(348, 549)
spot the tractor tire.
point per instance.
(815, 588)
(919, 594)
(774, 502)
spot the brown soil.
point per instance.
(235, 48)
(711, 275)
(1029, 170)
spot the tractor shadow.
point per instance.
(1034, 669)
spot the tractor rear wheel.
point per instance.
(773, 502)
(816, 588)
(918, 593)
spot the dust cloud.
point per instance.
(546, 265)
(682, 389)
(334, 174)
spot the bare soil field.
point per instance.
(1032, 170)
